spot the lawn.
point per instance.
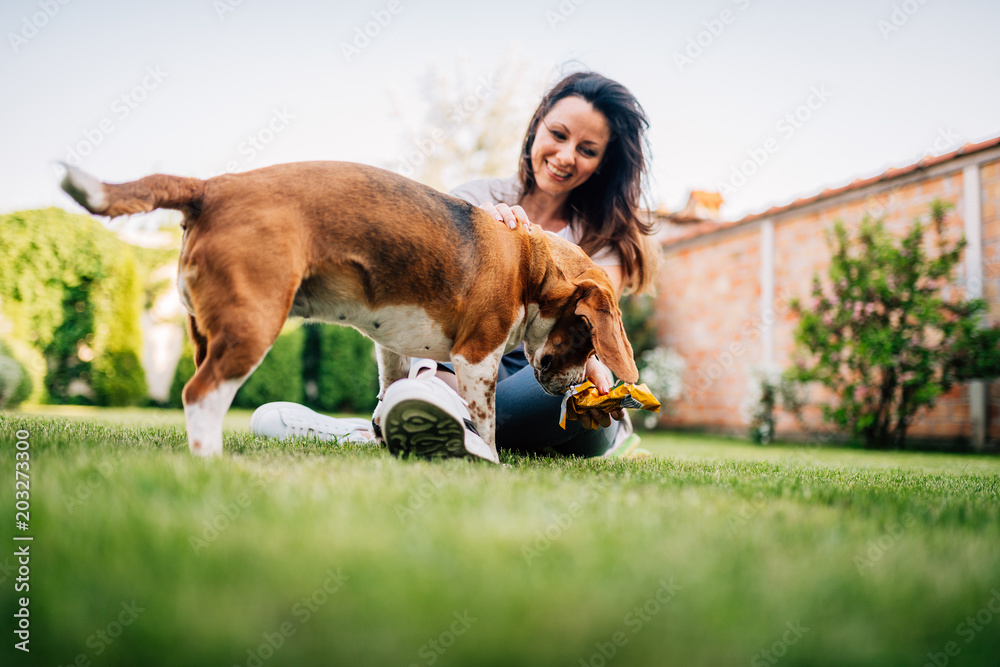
(714, 552)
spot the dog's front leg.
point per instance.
(477, 384)
(391, 367)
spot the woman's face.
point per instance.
(569, 145)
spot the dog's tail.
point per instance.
(144, 195)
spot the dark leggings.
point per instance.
(528, 418)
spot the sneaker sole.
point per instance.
(418, 428)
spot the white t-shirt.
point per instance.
(508, 191)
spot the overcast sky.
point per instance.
(769, 100)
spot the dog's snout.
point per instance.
(546, 363)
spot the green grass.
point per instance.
(554, 559)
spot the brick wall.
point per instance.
(990, 182)
(710, 307)
(709, 295)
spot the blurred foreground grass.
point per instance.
(714, 552)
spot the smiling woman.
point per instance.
(579, 176)
(584, 157)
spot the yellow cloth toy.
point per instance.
(584, 396)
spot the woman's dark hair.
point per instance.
(608, 202)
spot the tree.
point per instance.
(465, 127)
(882, 337)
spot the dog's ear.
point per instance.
(597, 304)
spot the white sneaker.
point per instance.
(425, 417)
(286, 420)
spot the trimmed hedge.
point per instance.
(337, 361)
(182, 373)
(346, 370)
(278, 378)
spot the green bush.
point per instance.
(279, 376)
(62, 354)
(15, 382)
(338, 361)
(10, 379)
(74, 292)
(638, 319)
(23, 390)
(32, 365)
(185, 369)
(346, 370)
(118, 379)
(117, 376)
(769, 390)
(882, 338)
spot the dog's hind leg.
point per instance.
(236, 342)
(199, 340)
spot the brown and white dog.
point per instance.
(421, 273)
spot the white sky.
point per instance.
(891, 96)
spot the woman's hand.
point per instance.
(509, 215)
(599, 374)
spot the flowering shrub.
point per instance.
(766, 391)
(661, 368)
(882, 337)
